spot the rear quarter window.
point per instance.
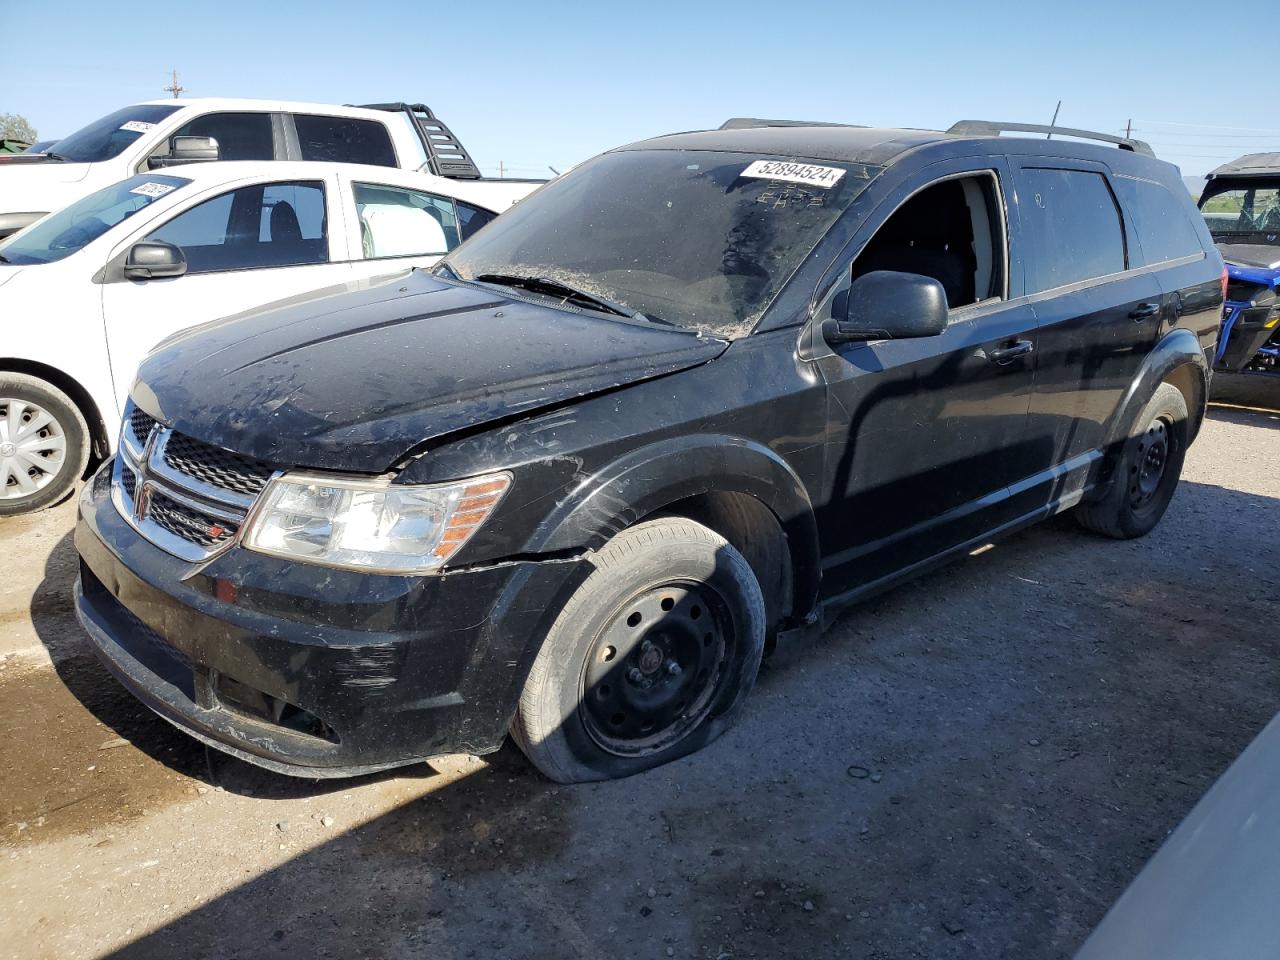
(471, 219)
(1164, 227)
(1071, 229)
(344, 140)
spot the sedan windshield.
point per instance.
(698, 239)
(107, 136)
(1249, 215)
(70, 229)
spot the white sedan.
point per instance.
(87, 291)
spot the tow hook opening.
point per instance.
(241, 698)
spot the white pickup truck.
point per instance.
(148, 137)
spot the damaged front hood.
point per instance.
(357, 380)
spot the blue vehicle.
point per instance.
(1241, 205)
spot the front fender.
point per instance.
(649, 478)
(1179, 358)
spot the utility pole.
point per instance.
(174, 87)
(502, 170)
(1128, 129)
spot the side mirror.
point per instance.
(153, 260)
(188, 150)
(887, 305)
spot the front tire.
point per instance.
(651, 658)
(1147, 471)
(44, 444)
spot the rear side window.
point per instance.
(1071, 227)
(1164, 229)
(344, 140)
(265, 225)
(471, 219)
(240, 136)
(397, 222)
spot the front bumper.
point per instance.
(308, 670)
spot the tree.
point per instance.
(16, 127)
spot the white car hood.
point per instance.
(40, 187)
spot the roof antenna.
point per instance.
(1054, 121)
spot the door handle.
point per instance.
(1144, 310)
(1019, 348)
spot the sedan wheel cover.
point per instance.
(33, 448)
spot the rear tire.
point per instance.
(651, 658)
(1146, 474)
(44, 444)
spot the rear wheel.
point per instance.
(44, 444)
(1147, 471)
(650, 659)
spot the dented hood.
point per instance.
(356, 380)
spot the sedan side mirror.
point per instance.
(887, 305)
(188, 150)
(153, 260)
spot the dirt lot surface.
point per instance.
(971, 766)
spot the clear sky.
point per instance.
(538, 84)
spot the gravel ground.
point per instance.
(973, 765)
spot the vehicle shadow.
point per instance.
(928, 777)
(1245, 416)
(94, 690)
(1245, 390)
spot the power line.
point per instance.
(1209, 146)
(1210, 126)
(1247, 137)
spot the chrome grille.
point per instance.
(188, 523)
(129, 480)
(219, 468)
(140, 425)
(185, 496)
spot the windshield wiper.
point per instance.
(565, 292)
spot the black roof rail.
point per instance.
(993, 128)
(751, 123)
(446, 156)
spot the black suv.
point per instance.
(673, 407)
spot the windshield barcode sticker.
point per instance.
(137, 126)
(152, 189)
(807, 173)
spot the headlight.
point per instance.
(370, 525)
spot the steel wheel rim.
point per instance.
(33, 448)
(634, 702)
(1146, 472)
